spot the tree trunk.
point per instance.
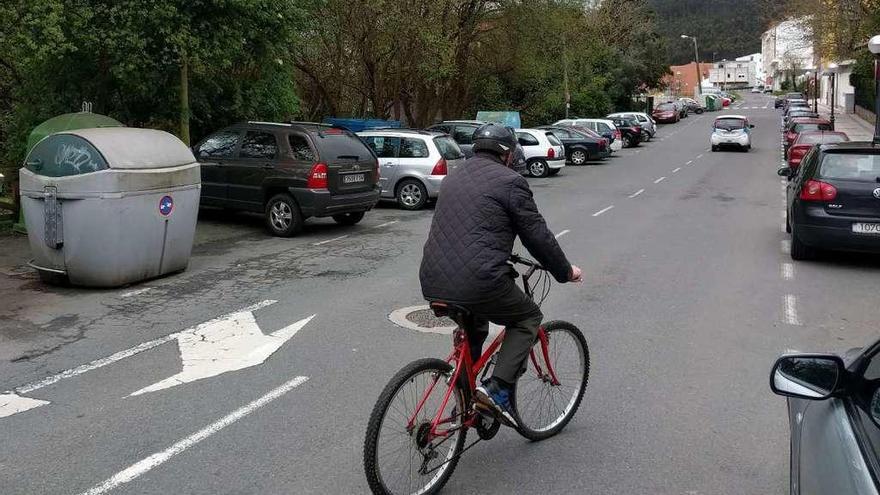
(184, 100)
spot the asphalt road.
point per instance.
(689, 297)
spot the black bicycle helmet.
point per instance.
(495, 138)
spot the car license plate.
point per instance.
(353, 178)
(866, 228)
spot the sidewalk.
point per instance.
(854, 127)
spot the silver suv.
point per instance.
(412, 163)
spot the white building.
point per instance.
(757, 68)
(732, 74)
(786, 52)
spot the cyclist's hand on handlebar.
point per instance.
(576, 275)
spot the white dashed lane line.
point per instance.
(330, 240)
(700, 155)
(133, 293)
(789, 309)
(675, 170)
(786, 246)
(640, 191)
(661, 179)
(562, 233)
(385, 224)
(603, 210)
(787, 271)
(689, 162)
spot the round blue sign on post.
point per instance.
(166, 206)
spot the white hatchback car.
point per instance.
(731, 130)
(544, 152)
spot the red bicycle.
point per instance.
(416, 433)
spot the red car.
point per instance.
(799, 125)
(665, 113)
(725, 101)
(805, 142)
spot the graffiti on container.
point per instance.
(77, 157)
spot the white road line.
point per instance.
(700, 155)
(386, 224)
(787, 271)
(137, 292)
(100, 363)
(638, 151)
(143, 466)
(13, 404)
(675, 170)
(689, 162)
(562, 233)
(640, 191)
(789, 303)
(786, 246)
(784, 229)
(330, 240)
(661, 179)
(603, 210)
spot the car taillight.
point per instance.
(551, 153)
(797, 153)
(318, 177)
(616, 133)
(376, 169)
(602, 144)
(637, 128)
(440, 168)
(814, 190)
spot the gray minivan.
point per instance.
(412, 163)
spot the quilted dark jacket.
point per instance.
(482, 207)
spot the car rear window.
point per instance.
(449, 150)
(730, 124)
(526, 139)
(335, 143)
(667, 107)
(821, 138)
(812, 127)
(553, 139)
(850, 166)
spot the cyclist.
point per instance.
(481, 209)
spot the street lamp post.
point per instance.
(833, 70)
(697, 61)
(874, 47)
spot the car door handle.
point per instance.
(268, 166)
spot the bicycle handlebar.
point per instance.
(517, 259)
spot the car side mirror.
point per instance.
(751, 126)
(784, 171)
(807, 376)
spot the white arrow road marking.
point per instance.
(12, 404)
(143, 466)
(218, 347)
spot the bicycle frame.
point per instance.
(461, 360)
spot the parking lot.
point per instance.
(689, 295)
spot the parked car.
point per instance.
(544, 152)
(579, 147)
(805, 142)
(731, 130)
(692, 105)
(798, 112)
(462, 131)
(833, 200)
(681, 108)
(412, 164)
(666, 113)
(603, 127)
(289, 172)
(649, 127)
(726, 101)
(795, 104)
(630, 131)
(757, 89)
(801, 124)
(833, 418)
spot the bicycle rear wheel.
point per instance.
(398, 457)
(544, 408)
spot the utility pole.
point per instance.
(565, 77)
(697, 61)
(874, 47)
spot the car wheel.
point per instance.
(646, 136)
(627, 142)
(538, 168)
(411, 195)
(714, 148)
(283, 218)
(554, 171)
(578, 157)
(699, 111)
(799, 250)
(787, 222)
(349, 218)
(748, 148)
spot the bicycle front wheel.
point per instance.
(543, 407)
(400, 454)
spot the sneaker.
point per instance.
(493, 397)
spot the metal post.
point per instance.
(876, 139)
(816, 91)
(699, 75)
(833, 97)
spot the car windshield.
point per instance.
(851, 166)
(448, 148)
(730, 124)
(817, 138)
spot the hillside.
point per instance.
(727, 28)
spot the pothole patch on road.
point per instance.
(421, 319)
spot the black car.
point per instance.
(630, 130)
(579, 147)
(462, 132)
(833, 200)
(781, 100)
(289, 172)
(798, 112)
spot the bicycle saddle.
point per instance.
(453, 311)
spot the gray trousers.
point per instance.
(519, 315)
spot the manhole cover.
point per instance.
(425, 318)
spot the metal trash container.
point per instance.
(112, 206)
